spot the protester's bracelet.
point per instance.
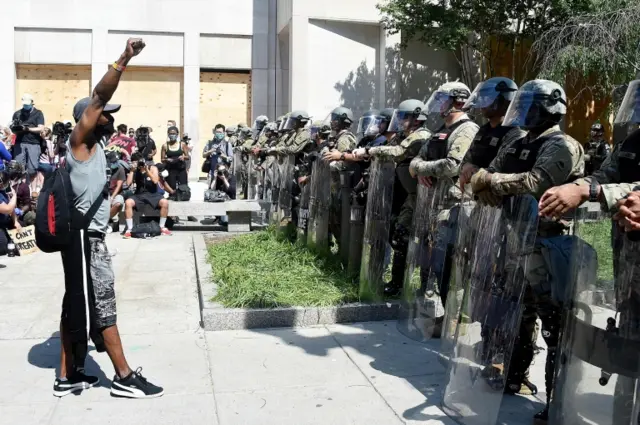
(119, 68)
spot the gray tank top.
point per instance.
(88, 179)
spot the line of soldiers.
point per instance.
(486, 229)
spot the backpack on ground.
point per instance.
(213, 195)
(146, 230)
(56, 217)
(183, 193)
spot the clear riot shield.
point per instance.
(598, 367)
(252, 178)
(375, 242)
(346, 185)
(505, 238)
(239, 171)
(275, 190)
(425, 262)
(459, 278)
(285, 200)
(319, 204)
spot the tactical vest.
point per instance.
(521, 157)
(438, 146)
(486, 144)
(629, 158)
(409, 184)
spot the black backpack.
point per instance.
(183, 193)
(56, 217)
(146, 230)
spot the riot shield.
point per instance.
(505, 239)
(303, 213)
(239, 171)
(346, 185)
(275, 190)
(252, 178)
(425, 264)
(286, 165)
(319, 204)
(376, 229)
(598, 367)
(459, 279)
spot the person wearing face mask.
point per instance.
(174, 154)
(218, 150)
(27, 124)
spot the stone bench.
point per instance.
(238, 211)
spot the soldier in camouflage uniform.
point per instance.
(440, 159)
(596, 150)
(492, 98)
(233, 138)
(544, 158)
(339, 120)
(407, 122)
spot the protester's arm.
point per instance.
(185, 151)
(163, 153)
(153, 173)
(10, 206)
(207, 151)
(130, 178)
(101, 95)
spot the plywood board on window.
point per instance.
(151, 96)
(225, 98)
(55, 88)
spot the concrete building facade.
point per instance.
(212, 61)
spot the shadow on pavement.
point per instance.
(393, 354)
(46, 355)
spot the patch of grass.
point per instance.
(266, 270)
(598, 235)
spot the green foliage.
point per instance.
(598, 235)
(457, 24)
(601, 46)
(266, 270)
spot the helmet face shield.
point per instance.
(313, 132)
(401, 121)
(439, 103)
(333, 121)
(290, 124)
(525, 111)
(482, 97)
(370, 125)
(629, 111)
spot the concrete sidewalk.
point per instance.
(360, 374)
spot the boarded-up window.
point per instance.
(150, 96)
(55, 88)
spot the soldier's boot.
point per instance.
(394, 287)
(550, 317)
(522, 356)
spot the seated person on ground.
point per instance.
(8, 203)
(147, 192)
(225, 182)
(116, 183)
(25, 209)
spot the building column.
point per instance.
(191, 100)
(261, 80)
(298, 62)
(7, 73)
(99, 60)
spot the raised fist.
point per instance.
(134, 47)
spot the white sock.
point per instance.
(129, 223)
(163, 221)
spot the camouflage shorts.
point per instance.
(103, 283)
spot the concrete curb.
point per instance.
(215, 317)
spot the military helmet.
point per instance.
(387, 113)
(538, 103)
(319, 128)
(297, 119)
(407, 115)
(597, 127)
(370, 124)
(339, 118)
(231, 130)
(492, 93)
(442, 101)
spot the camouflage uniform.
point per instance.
(531, 166)
(596, 151)
(345, 141)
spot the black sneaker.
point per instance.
(76, 382)
(135, 386)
